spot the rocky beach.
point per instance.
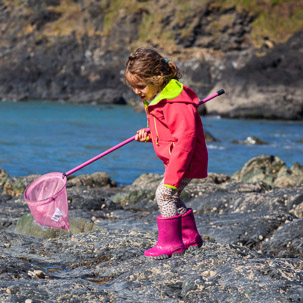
(251, 223)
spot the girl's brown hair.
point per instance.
(148, 65)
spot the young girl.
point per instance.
(177, 135)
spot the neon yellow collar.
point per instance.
(172, 90)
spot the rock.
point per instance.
(139, 184)
(95, 180)
(268, 87)
(297, 210)
(3, 177)
(209, 137)
(131, 198)
(287, 241)
(5, 198)
(27, 226)
(139, 195)
(271, 170)
(90, 198)
(250, 141)
(296, 206)
(104, 96)
(15, 186)
(36, 274)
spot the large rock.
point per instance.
(27, 226)
(16, 186)
(3, 176)
(269, 86)
(94, 180)
(271, 170)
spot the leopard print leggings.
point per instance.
(168, 199)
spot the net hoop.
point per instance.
(40, 179)
(47, 200)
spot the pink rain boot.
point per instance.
(169, 238)
(190, 235)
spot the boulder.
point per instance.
(250, 141)
(98, 179)
(16, 186)
(3, 177)
(26, 225)
(209, 137)
(270, 170)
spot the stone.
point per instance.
(26, 225)
(98, 179)
(271, 170)
(250, 141)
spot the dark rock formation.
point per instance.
(266, 87)
(76, 51)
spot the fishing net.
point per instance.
(47, 200)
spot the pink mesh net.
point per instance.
(47, 200)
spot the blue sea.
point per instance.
(42, 137)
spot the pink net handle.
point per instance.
(101, 155)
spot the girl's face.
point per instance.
(145, 91)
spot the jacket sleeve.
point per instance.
(180, 119)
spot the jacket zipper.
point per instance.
(157, 139)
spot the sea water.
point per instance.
(42, 137)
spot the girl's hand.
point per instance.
(141, 135)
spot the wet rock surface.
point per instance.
(250, 141)
(252, 251)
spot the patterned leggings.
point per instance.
(168, 199)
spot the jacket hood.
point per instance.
(175, 91)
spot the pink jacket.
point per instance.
(176, 132)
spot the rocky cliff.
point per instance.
(75, 50)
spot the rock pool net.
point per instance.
(47, 200)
